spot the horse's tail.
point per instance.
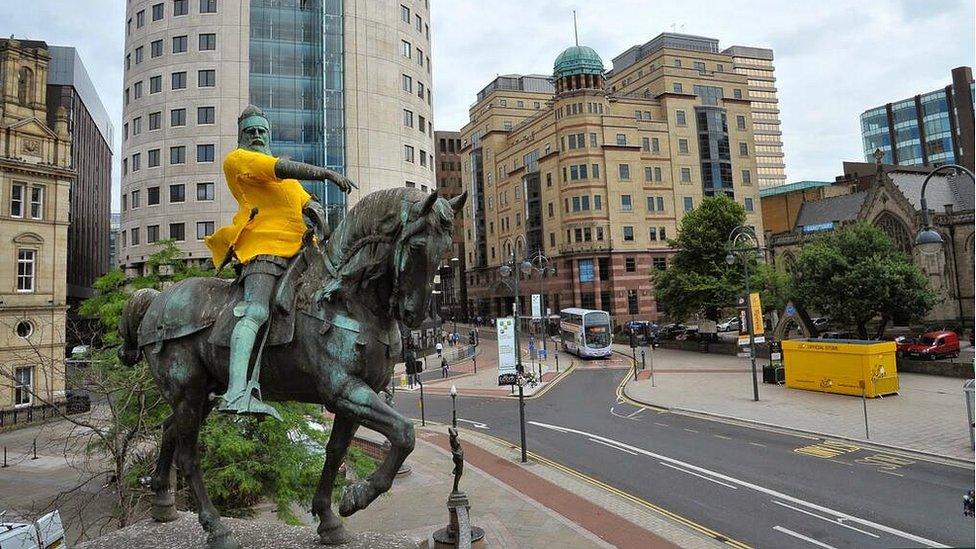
(129, 322)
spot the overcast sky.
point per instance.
(834, 58)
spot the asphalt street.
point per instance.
(752, 486)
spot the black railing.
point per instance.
(42, 412)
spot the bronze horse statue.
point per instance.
(376, 269)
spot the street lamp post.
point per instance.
(742, 240)
(453, 406)
(511, 268)
(928, 239)
(539, 262)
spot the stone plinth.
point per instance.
(186, 533)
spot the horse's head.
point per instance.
(426, 235)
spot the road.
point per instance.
(754, 486)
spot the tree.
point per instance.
(698, 278)
(856, 274)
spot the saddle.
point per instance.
(196, 304)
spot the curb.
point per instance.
(930, 456)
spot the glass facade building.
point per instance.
(295, 76)
(928, 129)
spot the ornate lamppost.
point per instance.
(539, 262)
(742, 246)
(511, 268)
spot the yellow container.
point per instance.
(841, 366)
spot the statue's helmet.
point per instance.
(252, 116)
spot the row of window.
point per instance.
(407, 49)
(158, 11)
(177, 232)
(26, 201)
(177, 117)
(206, 41)
(206, 78)
(406, 83)
(521, 104)
(425, 126)
(418, 22)
(177, 195)
(426, 159)
(206, 153)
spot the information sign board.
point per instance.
(505, 330)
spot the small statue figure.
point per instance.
(265, 233)
(457, 455)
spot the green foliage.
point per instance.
(245, 460)
(773, 286)
(856, 274)
(698, 278)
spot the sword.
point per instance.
(230, 249)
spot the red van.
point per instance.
(933, 345)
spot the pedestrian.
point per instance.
(444, 367)
(440, 348)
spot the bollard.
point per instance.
(643, 361)
(5, 457)
(35, 449)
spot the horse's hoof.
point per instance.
(351, 494)
(164, 513)
(222, 540)
(337, 535)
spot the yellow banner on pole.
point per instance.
(755, 308)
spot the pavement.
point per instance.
(927, 415)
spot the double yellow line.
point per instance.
(629, 497)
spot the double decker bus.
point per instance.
(585, 332)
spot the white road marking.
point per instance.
(621, 416)
(476, 424)
(697, 475)
(723, 437)
(631, 416)
(613, 446)
(757, 444)
(770, 492)
(808, 539)
(661, 424)
(838, 523)
(690, 430)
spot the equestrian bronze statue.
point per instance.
(326, 333)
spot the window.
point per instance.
(689, 204)
(628, 234)
(677, 87)
(408, 153)
(420, 57)
(180, 7)
(623, 171)
(632, 306)
(156, 49)
(205, 153)
(208, 6)
(135, 237)
(137, 90)
(679, 117)
(177, 231)
(404, 13)
(595, 171)
(177, 155)
(205, 191)
(207, 41)
(136, 162)
(630, 264)
(178, 80)
(205, 115)
(177, 117)
(626, 203)
(419, 23)
(743, 149)
(17, 200)
(646, 144)
(407, 118)
(420, 89)
(648, 173)
(621, 139)
(597, 202)
(206, 78)
(152, 196)
(155, 84)
(137, 125)
(179, 44)
(37, 202)
(660, 263)
(740, 122)
(576, 204)
(406, 83)
(23, 385)
(737, 93)
(136, 202)
(152, 233)
(662, 232)
(177, 193)
(748, 205)
(157, 12)
(406, 49)
(141, 19)
(682, 146)
(685, 175)
(204, 229)
(423, 157)
(746, 177)
(154, 120)
(153, 158)
(655, 145)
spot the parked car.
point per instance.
(670, 331)
(731, 325)
(933, 345)
(901, 342)
(820, 323)
(46, 533)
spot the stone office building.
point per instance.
(447, 170)
(596, 169)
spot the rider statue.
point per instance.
(266, 231)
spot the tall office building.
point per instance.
(933, 128)
(90, 198)
(596, 170)
(757, 65)
(345, 84)
(448, 171)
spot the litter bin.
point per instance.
(839, 366)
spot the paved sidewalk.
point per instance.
(928, 414)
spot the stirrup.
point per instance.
(247, 403)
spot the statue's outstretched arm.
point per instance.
(293, 169)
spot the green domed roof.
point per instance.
(577, 60)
